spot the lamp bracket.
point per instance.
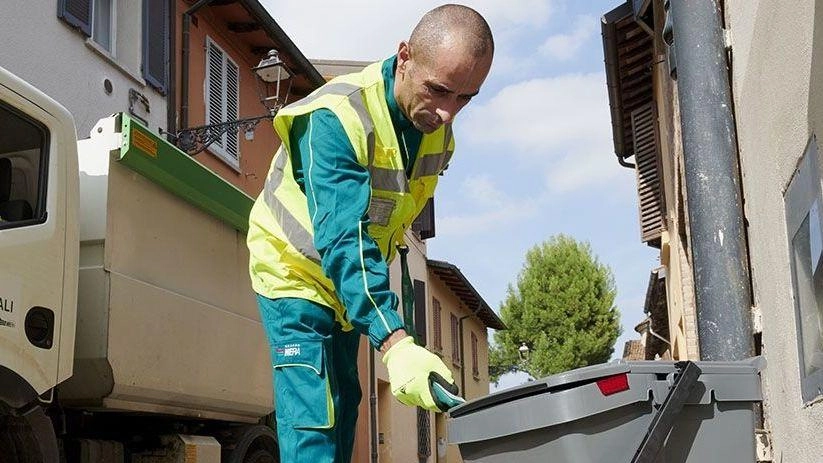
(194, 140)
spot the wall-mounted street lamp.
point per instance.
(270, 74)
(523, 351)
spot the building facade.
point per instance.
(771, 56)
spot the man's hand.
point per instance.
(409, 368)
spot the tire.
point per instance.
(261, 456)
(19, 443)
(255, 444)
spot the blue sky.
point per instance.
(535, 156)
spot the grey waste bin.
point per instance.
(603, 413)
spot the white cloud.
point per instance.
(491, 208)
(566, 46)
(535, 117)
(369, 30)
(560, 124)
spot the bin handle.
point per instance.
(663, 420)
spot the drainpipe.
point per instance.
(184, 66)
(171, 93)
(718, 237)
(372, 407)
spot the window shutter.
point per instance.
(424, 448)
(232, 105)
(223, 101)
(475, 365)
(423, 225)
(214, 87)
(156, 43)
(76, 13)
(436, 319)
(455, 339)
(647, 159)
(420, 311)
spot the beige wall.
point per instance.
(472, 386)
(778, 86)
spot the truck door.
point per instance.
(37, 153)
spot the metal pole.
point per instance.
(718, 240)
(184, 65)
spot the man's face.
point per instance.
(430, 92)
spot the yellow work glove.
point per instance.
(410, 367)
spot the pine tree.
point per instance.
(562, 309)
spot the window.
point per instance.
(804, 221)
(94, 18)
(130, 40)
(423, 225)
(156, 44)
(420, 311)
(23, 164)
(437, 314)
(222, 101)
(455, 339)
(102, 27)
(475, 365)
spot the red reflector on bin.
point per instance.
(614, 384)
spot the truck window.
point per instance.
(23, 165)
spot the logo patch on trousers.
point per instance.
(291, 350)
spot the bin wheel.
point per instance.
(27, 439)
(256, 444)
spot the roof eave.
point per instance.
(273, 30)
(482, 311)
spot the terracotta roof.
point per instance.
(460, 286)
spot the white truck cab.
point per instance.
(38, 246)
(128, 328)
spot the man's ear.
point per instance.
(403, 56)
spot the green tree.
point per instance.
(562, 309)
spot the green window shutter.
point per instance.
(76, 13)
(156, 44)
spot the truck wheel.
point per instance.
(255, 444)
(27, 439)
(261, 456)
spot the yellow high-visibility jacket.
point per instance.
(284, 261)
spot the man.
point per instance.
(360, 158)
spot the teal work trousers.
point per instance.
(316, 388)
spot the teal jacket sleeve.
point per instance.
(338, 191)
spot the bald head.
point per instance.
(452, 26)
(442, 66)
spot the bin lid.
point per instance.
(560, 381)
(586, 375)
